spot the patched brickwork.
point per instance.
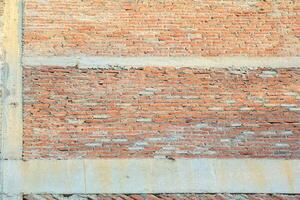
(162, 28)
(161, 112)
(166, 197)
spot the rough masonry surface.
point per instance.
(149, 112)
(165, 197)
(161, 113)
(162, 28)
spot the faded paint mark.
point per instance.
(257, 173)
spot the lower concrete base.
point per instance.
(162, 197)
(11, 197)
(151, 176)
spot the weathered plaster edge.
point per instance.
(152, 176)
(12, 97)
(136, 62)
(12, 122)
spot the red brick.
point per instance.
(162, 28)
(183, 114)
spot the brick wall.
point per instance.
(159, 112)
(151, 112)
(162, 28)
(167, 197)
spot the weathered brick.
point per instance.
(164, 197)
(111, 120)
(162, 28)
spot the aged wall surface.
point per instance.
(152, 112)
(146, 96)
(158, 112)
(166, 197)
(162, 28)
(1, 62)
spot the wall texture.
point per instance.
(159, 112)
(1, 63)
(162, 28)
(74, 113)
(166, 197)
(129, 127)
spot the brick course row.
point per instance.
(165, 197)
(162, 28)
(161, 113)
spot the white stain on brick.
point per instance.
(75, 121)
(136, 148)
(291, 93)
(236, 124)
(296, 109)
(282, 145)
(117, 140)
(268, 74)
(216, 109)
(288, 105)
(144, 120)
(141, 143)
(95, 144)
(246, 109)
(202, 125)
(102, 116)
(230, 101)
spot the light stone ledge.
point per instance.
(151, 176)
(107, 62)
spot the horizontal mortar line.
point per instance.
(155, 61)
(201, 175)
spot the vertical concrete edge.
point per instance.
(12, 100)
(12, 120)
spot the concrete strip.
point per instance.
(135, 62)
(12, 176)
(54, 177)
(12, 122)
(153, 176)
(11, 147)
